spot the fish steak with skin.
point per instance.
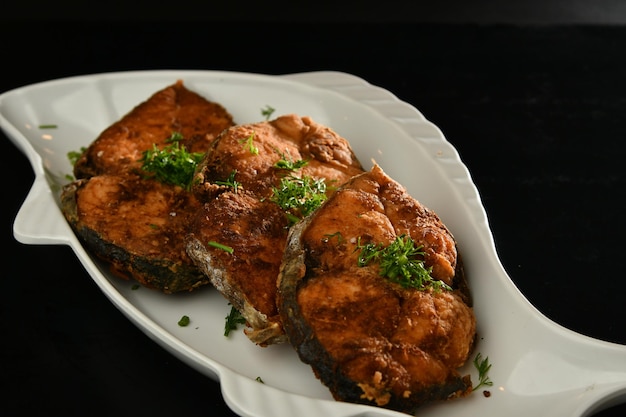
(124, 215)
(238, 238)
(119, 148)
(370, 338)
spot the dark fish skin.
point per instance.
(368, 340)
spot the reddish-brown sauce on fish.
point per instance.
(370, 340)
(119, 148)
(245, 219)
(137, 224)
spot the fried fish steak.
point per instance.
(119, 148)
(136, 225)
(124, 217)
(368, 339)
(245, 220)
(253, 150)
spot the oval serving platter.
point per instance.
(539, 367)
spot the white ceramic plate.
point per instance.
(538, 367)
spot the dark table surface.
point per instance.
(537, 114)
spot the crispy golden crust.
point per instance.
(174, 109)
(247, 221)
(369, 340)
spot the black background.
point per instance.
(532, 96)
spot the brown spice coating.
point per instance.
(369, 340)
(290, 137)
(256, 231)
(247, 221)
(175, 108)
(137, 225)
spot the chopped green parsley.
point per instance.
(230, 181)
(233, 320)
(267, 112)
(299, 197)
(329, 236)
(289, 164)
(482, 366)
(173, 164)
(184, 321)
(401, 262)
(74, 156)
(249, 143)
(217, 245)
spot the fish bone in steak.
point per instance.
(367, 339)
(137, 224)
(247, 221)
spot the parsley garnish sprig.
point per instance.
(221, 246)
(248, 142)
(400, 262)
(74, 156)
(184, 321)
(230, 181)
(483, 366)
(267, 111)
(299, 197)
(173, 164)
(287, 163)
(233, 320)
